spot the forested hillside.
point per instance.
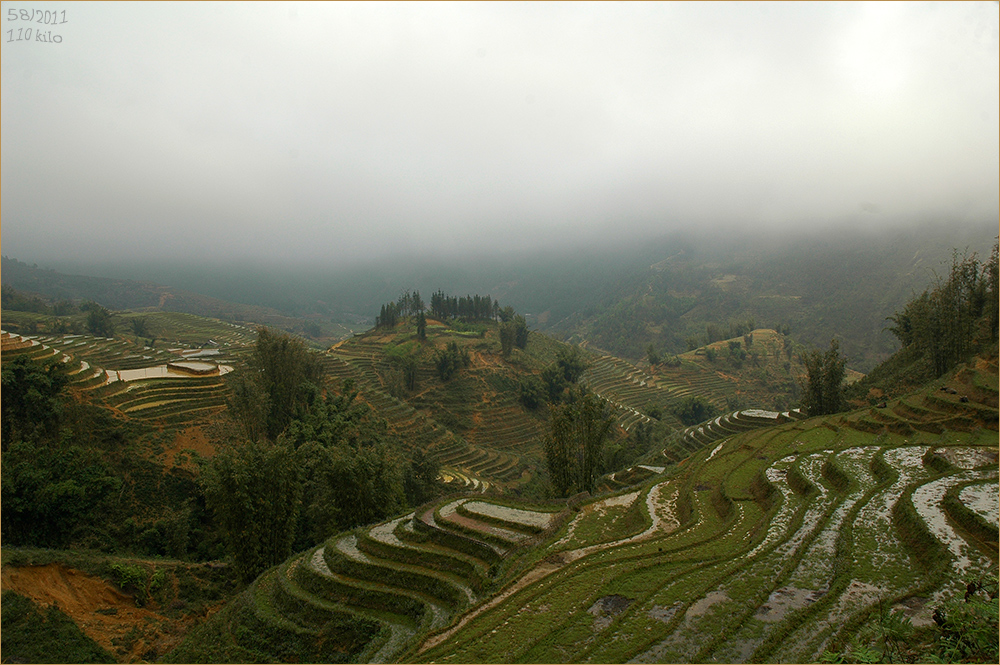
(814, 287)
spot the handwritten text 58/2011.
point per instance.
(37, 16)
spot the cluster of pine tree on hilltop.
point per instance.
(442, 308)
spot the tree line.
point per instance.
(469, 308)
(945, 324)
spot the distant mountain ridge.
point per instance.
(661, 290)
(127, 294)
(819, 286)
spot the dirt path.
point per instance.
(663, 519)
(102, 612)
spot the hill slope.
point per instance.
(817, 284)
(483, 435)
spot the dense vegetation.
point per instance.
(47, 635)
(946, 324)
(574, 447)
(824, 386)
(943, 326)
(71, 477)
(305, 463)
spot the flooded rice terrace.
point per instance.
(178, 370)
(927, 500)
(984, 500)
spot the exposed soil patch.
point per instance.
(104, 613)
(192, 438)
(664, 613)
(605, 609)
(701, 606)
(783, 600)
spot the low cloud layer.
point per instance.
(328, 132)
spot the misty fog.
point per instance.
(332, 134)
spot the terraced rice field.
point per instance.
(630, 390)
(477, 430)
(489, 458)
(408, 577)
(695, 437)
(769, 548)
(772, 545)
(133, 380)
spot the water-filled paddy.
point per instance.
(983, 499)
(160, 372)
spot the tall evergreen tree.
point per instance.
(279, 382)
(574, 445)
(507, 336)
(421, 325)
(520, 332)
(254, 491)
(824, 383)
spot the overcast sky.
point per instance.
(320, 131)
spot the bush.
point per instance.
(450, 360)
(968, 630)
(531, 392)
(670, 361)
(693, 410)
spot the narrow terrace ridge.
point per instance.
(345, 557)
